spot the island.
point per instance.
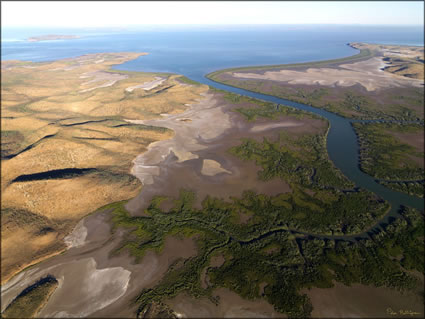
(50, 37)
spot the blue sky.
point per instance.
(121, 13)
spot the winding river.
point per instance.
(78, 287)
(343, 150)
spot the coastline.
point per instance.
(183, 157)
(361, 55)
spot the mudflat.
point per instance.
(369, 74)
(231, 305)
(106, 266)
(91, 282)
(380, 82)
(65, 144)
(196, 157)
(359, 301)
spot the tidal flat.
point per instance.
(367, 85)
(240, 211)
(64, 144)
(160, 248)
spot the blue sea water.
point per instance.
(197, 50)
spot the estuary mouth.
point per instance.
(285, 190)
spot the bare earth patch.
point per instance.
(147, 85)
(358, 301)
(413, 139)
(97, 288)
(367, 73)
(211, 168)
(60, 128)
(244, 217)
(230, 305)
(77, 237)
(91, 282)
(264, 127)
(401, 60)
(108, 79)
(187, 160)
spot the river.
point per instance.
(343, 150)
(196, 51)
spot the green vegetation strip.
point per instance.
(279, 248)
(362, 55)
(268, 250)
(415, 188)
(351, 102)
(387, 158)
(32, 299)
(186, 80)
(284, 262)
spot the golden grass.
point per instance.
(70, 198)
(27, 123)
(29, 304)
(406, 68)
(407, 61)
(42, 107)
(28, 238)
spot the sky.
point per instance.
(132, 13)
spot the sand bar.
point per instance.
(367, 73)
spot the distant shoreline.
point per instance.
(52, 37)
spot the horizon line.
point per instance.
(219, 24)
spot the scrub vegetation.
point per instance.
(76, 138)
(394, 154)
(411, 188)
(66, 147)
(394, 103)
(30, 301)
(288, 242)
(267, 250)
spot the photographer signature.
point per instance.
(402, 312)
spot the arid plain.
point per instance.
(65, 149)
(76, 157)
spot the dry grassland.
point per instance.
(66, 149)
(405, 61)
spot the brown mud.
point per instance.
(368, 73)
(359, 301)
(230, 305)
(213, 129)
(92, 282)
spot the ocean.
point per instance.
(197, 50)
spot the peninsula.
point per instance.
(151, 195)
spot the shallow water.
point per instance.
(196, 50)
